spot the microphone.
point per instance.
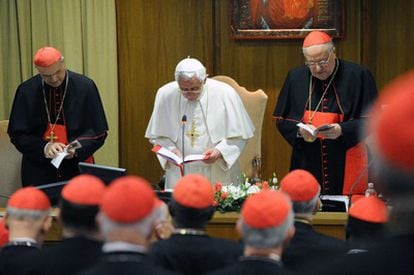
(183, 122)
(357, 180)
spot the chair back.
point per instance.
(255, 104)
(10, 163)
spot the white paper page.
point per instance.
(57, 160)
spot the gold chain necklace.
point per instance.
(52, 136)
(311, 116)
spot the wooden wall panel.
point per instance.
(389, 37)
(154, 35)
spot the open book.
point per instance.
(167, 154)
(315, 132)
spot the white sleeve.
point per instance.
(230, 149)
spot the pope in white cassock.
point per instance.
(217, 125)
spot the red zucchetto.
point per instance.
(194, 191)
(128, 199)
(316, 38)
(268, 208)
(84, 190)
(29, 198)
(300, 185)
(46, 57)
(369, 209)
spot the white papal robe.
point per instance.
(217, 119)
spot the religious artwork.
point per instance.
(285, 19)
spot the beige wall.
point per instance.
(154, 35)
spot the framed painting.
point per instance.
(285, 19)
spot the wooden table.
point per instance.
(330, 223)
(224, 225)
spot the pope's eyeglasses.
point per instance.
(195, 90)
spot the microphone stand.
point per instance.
(365, 170)
(183, 122)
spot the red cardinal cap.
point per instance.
(391, 122)
(194, 191)
(268, 208)
(84, 190)
(369, 209)
(46, 57)
(300, 185)
(128, 199)
(316, 38)
(29, 198)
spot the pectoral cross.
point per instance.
(52, 137)
(193, 134)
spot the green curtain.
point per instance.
(83, 30)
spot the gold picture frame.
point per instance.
(285, 19)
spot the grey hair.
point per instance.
(144, 226)
(200, 75)
(268, 237)
(329, 46)
(306, 207)
(22, 214)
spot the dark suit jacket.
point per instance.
(308, 248)
(393, 255)
(14, 259)
(124, 263)
(246, 266)
(69, 256)
(191, 254)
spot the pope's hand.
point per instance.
(212, 155)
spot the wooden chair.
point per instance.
(255, 104)
(10, 163)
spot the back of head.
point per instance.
(367, 218)
(303, 189)
(28, 203)
(189, 68)
(392, 136)
(80, 201)
(266, 218)
(27, 214)
(128, 204)
(192, 204)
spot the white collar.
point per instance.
(123, 246)
(23, 239)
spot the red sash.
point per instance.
(60, 136)
(356, 159)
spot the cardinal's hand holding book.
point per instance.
(332, 132)
(327, 131)
(306, 134)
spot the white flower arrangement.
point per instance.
(230, 198)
